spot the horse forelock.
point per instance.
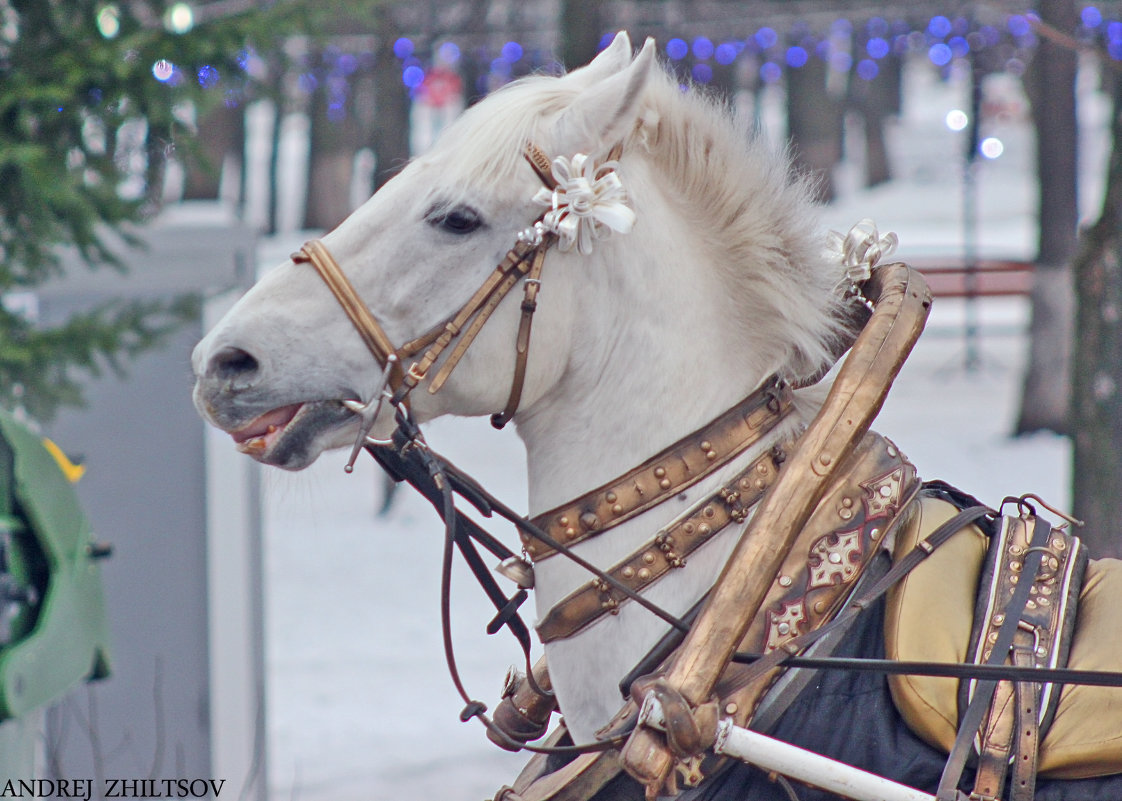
(756, 217)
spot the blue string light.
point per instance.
(677, 49)
(726, 53)
(877, 47)
(940, 54)
(797, 57)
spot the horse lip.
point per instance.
(267, 423)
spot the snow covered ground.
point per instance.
(360, 704)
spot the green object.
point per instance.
(53, 627)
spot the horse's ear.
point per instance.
(608, 61)
(605, 112)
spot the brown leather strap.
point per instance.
(672, 470)
(1026, 739)
(316, 253)
(668, 550)
(522, 343)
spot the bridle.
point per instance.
(524, 260)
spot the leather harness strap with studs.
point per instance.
(668, 550)
(674, 469)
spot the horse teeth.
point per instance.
(255, 444)
(270, 429)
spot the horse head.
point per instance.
(275, 370)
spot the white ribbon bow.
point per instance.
(861, 250)
(588, 203)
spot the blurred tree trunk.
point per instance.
(814, 124)
(221, 133)
(581, 23)
(1050, 82)
(334, 137)
(391, 119)
(876, 101)
(1097, 364)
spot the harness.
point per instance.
(816, 513)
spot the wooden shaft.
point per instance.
(902, 304)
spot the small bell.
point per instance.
(517, 570)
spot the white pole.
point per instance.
(806, 766)
(789, 760)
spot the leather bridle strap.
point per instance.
(316, 254)
(524, 259)
(522, 343)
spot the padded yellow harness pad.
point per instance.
(930, 616)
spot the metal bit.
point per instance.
(369, 412)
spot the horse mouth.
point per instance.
(290, 436)
(260, 434)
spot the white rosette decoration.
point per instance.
(588, 203)
(861, 250)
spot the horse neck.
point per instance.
(654, 358)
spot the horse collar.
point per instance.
(669, 472)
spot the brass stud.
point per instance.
(847, 502)
(998, 619)
(819, 606)
(760, 483)
(874, 533)
(784, 629)
(745, 484)
(1030, 604)
(563, 521)
(1058, 543)
(610, 497)
(730, 709)
(785, 581)
(627, 572)
(570, 532)
(1044, 601)
(992, 636)
(761, 468)
(845, 514)
(704, 529)
(617, 509)
(664, 484)
(825, 459)
(892, 451)
(589, 520)
(706, 445)
(660, 472)
(688, 528)
(644, 573)
(711, 455)
(885, 491)
(648, 558)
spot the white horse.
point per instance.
(720, 284)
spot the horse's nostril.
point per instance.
(232, 362)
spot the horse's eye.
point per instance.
(457, 220)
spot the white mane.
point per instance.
(729, 183)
